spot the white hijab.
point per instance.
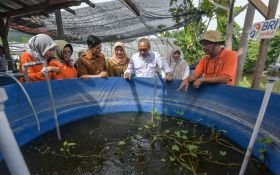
(180, 67)
(39, 45)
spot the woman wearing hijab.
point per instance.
(41, 48)
(118, 63)
(179, 66)
(63, 62)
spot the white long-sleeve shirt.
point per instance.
(147, 66)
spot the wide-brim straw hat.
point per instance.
(212, 36)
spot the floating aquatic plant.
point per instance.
(184, 146)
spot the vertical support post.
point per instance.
(272, 7)
(4, 30)
(243, 46)
(230, 24)
(59, 24)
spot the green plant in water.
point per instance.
(263, 151)
(184, 148)
(67, 147)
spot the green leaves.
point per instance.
(178, 134)
(266, 140)
(273, 50)
(167, 131)
(180, 123)
(121, 143)
(223, 153)
(179, 112)
(262, 152)
(192, 147)
(157, 117)
(171, 158)
(68, 144)
(184, 131)
(175, 148)
(181, 134)
(184, 137)
(139, 137)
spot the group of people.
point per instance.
(218, 66)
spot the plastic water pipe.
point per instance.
(8, 144)
(45, 70)
(27, 96)
(272, 77)
(29, 64)
(154, 96)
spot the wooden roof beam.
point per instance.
(88, 2)
(70, 11)
(5, 6)
(20, 3)
(132, 6)
(45, 6)
(261, 7)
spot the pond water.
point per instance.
(130, 144)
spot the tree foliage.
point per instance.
(273, 50)
(252, 54)
(188, 37)
(222, 27)
(188, 40)
(251, 58)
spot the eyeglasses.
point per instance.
(204, 43)
(96, 47)
(52, 49)
(143, 50)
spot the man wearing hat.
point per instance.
(217, 67)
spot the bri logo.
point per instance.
(265, 29)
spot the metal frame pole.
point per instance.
(49, 90)
(273, 75)
(8, 145)
(253, 139)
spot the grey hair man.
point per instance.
(145, 62)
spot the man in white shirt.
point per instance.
(145, 62)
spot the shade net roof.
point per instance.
(113, 21)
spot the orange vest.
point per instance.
(34, 72)
(67, 71)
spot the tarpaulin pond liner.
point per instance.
(233, 109)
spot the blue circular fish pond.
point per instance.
(233, 109)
